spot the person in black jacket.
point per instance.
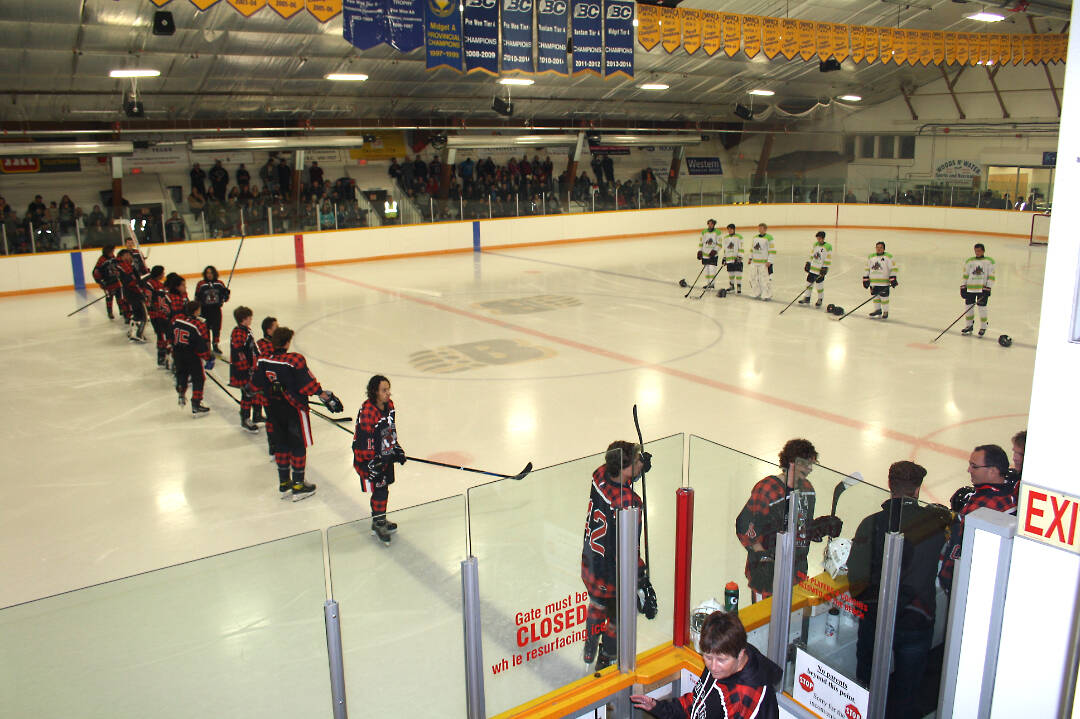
(923, 527)
(738, 682)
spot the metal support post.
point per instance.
(7, 250)
(337, 663)
(269, 221)
(318, 217)
(845, 193)
(924, 195)
(783, 580)
(639, 199)
(517, 207)
(626, 568)
(164, 236)
(461, 207)
(616, 197)
(78, 235)
(336, 217)
(474, 658)
(950, 195)
(888, 596)
(243, 226)
(543, 202)
(489, 206)
(33, 243)
(593, 195)
(431, 207)
(817, 196)
(684, 543)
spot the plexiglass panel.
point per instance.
(238, 634)
(400, 608)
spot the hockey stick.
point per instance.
(327, 417)
(860, 305)
(841, 486)
(644, 496)
(229, 281)
(789, 304)
(695, 282)
(99, 299)
(223, 388)
(951, 325)
(519, 476)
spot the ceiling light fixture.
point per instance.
(986, 17)
(653, 86)
(134, 73)
(851, 98)
(765, 93)
(347, 76)
(516, 81)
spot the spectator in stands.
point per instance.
(316, 173)
(268, 173)
(849, 198)
(326, 215)
(234, 222)
(243, 177)
(219, 179)
(394, 170)
(175, 229)
(609, 168)
(466, 170)
(284, 177)
(198, 179)
(420, 171)
(196, 203)
(96, 215)
(35, 211)
(67, 214)
(597, 164)
(96, 234)
(142, 225)
(435, 169)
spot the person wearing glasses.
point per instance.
(765, 514)
(994, 487)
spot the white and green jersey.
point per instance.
(709, 243)
(979, 273)
(879, 268)
(732, 245)
(762, 250)
(820, 256)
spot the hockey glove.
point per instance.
(960, 497)
(893, 282)
(699, 254)
(986, 292)
(963, 292)
(811, 278)
(806, 267)
(827, 526)
(398, 455)
(713, 253)
(209, 364)
(646, 462)
(646, 598)
(824, 271)
(770, 268)
(866, 283)
(374, 467)
(333, 403)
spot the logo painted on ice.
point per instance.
(806, 682)
(527, 305)
(474, 355)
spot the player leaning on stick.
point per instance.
(975, 289)
(375, 450)
(761, 254)
(612, 489)
(733, 258)
(879, 277)
(709, 252)
(816, 268)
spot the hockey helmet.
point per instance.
(682, 282)
(830, 307)
(837, 310)
(710, 221)
(836, 556)
(1005, 341)
(721, 293)
(699, 615)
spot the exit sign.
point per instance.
(1050, 517)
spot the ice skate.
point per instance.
(181, 400)
(249, 425)
(967, 330)
(198, 409)
(982, 332)
(885, 316)
(302, 491)
(284, 488)
(381, 531)
(876, 313)
(804, 301)
(817, 304)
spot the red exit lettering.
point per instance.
(1060, 510)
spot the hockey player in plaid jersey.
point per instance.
(765, 514)
(176, 295)
(131, 289)
(242, 355)
(611, 490)
(375, 450)
(191, 346)
(994, 487)
(158, 309)
(287, 382)
(107, 277)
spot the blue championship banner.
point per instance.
(442, 27)
(364, 23)
(517, 32)
(619, 38)
(406, 20)
(551, 26)
(586, 31)
(481, 36)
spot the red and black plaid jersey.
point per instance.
(242, 355)
(130, 279)
(190, 337)
(765, 514)
(284, 376)
(175, 302)
(105, 272)
(747, 694)
(156, 300)
(138, 262)
(375, 436)
(998, 497)
(606, 498)
(211, 293)
(265, 347)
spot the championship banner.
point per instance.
(363, 23)
(937, 41)
(858, 40)
(480, 36)
(913, 46)
(789, 38)
(161, 3)
(899, 46)
(442, 28)
(871, 44)
(770, 36)
(671, 28)
(619, 38)
(587, 34)
(247, 8)
(691, 21)
(648, 26)
(1017, 49)
(950, 48)
(926, 47)
(323, 10)
(552, 21)
(886, 42)
(732, 33)
(406, 20)
(963, 44)
(1028, 44)
(806, 39)
(751, 35)
(985, 55)
(999, 48)
(517, 29)
(201, 4)
(841, 42)
(712, 33)
(286, 8)
(823, 40)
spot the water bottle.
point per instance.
(832, 624)
(731, 597)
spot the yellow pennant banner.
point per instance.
(823, 40)
(648, 31)
(247, 8)
(286, 8)
(963, 43)
(1017, 49)
(161, 3)
(671, 28)
(751, 35)
(712, 33)
(323, 10)
(938, 41)
(807, 46)
(770, 36)
(913, 46)
(871, 43)
(201, 4)
(789, 38)
(887, 45)
(841, 41)
(950, 48)
(858, 41)
(732, 33)
(926, 47)
(691, 30)
(986, 53)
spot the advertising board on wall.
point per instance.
(958, 171)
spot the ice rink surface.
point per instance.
(497, 359)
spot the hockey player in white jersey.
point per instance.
(709, 252)
(975, 289)
(761, 254)
(732, 245)
(816, 268)
(879, 277)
